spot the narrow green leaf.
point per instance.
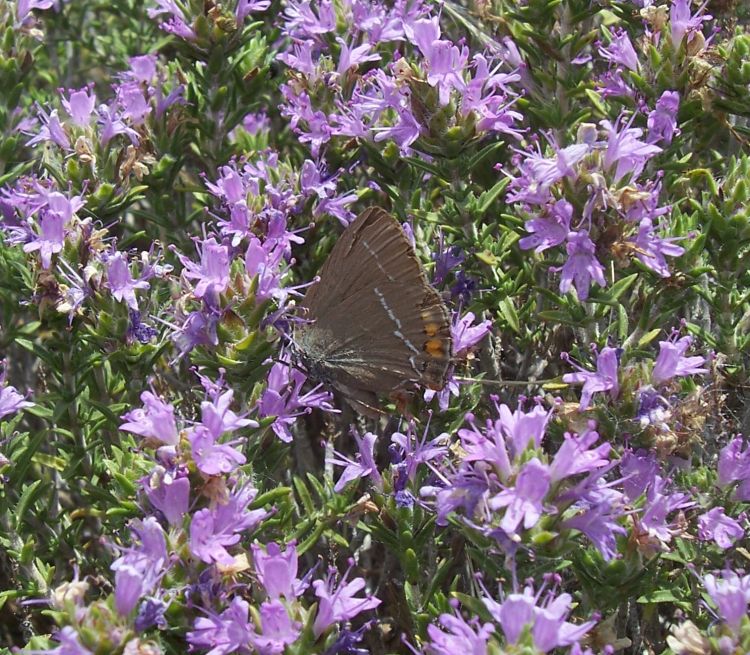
(508, 312)
(304, 495)
(488, 197)
(27, 498)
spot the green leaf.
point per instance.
(649, 337)
(304, 495)
(621, 286)
(508, 311)
(488, 197)
(658, 596)
(270, 497)
(28, 496)
(425, 166)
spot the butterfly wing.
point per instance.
(377, 324)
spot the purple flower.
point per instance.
(139, 570)
(217, 418)
(137, 330)
(63, 206)
(538, 173)
(151, 613)
(405, 132)
(524, 501)
(170, 495)
(731, 594)
(25, 7)
(121, 282)
(338, 207)
(314, 180)
(659, 504)
(625, 152)
(247, 7)
(582, 266)
(133, 103)
(620, 51)
(50, 239)
(654, 410)
(340, 603)
(142, 68)
(223, 633)
(458, 636)
(365, 465)
(480, 93)
(347, 640)
(56, 211)
(263, 261)
(611, 84)
(415, 451)
(549, 230)
(80, 105)
(277, 629)
(66, 637)
(231, 186)
(446, 259)
(212, 530)
(155, 420)
(451, 388)
(213, 271)
(281, 398)
(445, 66)
(717, 526)
(683, 22)
(465, 335)
(639, 471)
(10, 400)
(463, 491)
(672, 362)
(423, 32)
(277, 570)
(523, 429)
(51, 130)
(653, 250)
(489, 446)
(300, 59)
(256, 122)
(662, 121)
(604, 379)
(599, 524)
(545, 617)
(353, 57)
(111, 124)
(301, 21)
(734, 466)
(175, 23)
(198, 329)
(212, 458)
(575, 456)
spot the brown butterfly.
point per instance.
(376, 326)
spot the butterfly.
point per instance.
(373, 325)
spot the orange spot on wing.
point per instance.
(434, 347)
(431, 329)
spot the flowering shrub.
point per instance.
(574, 176)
